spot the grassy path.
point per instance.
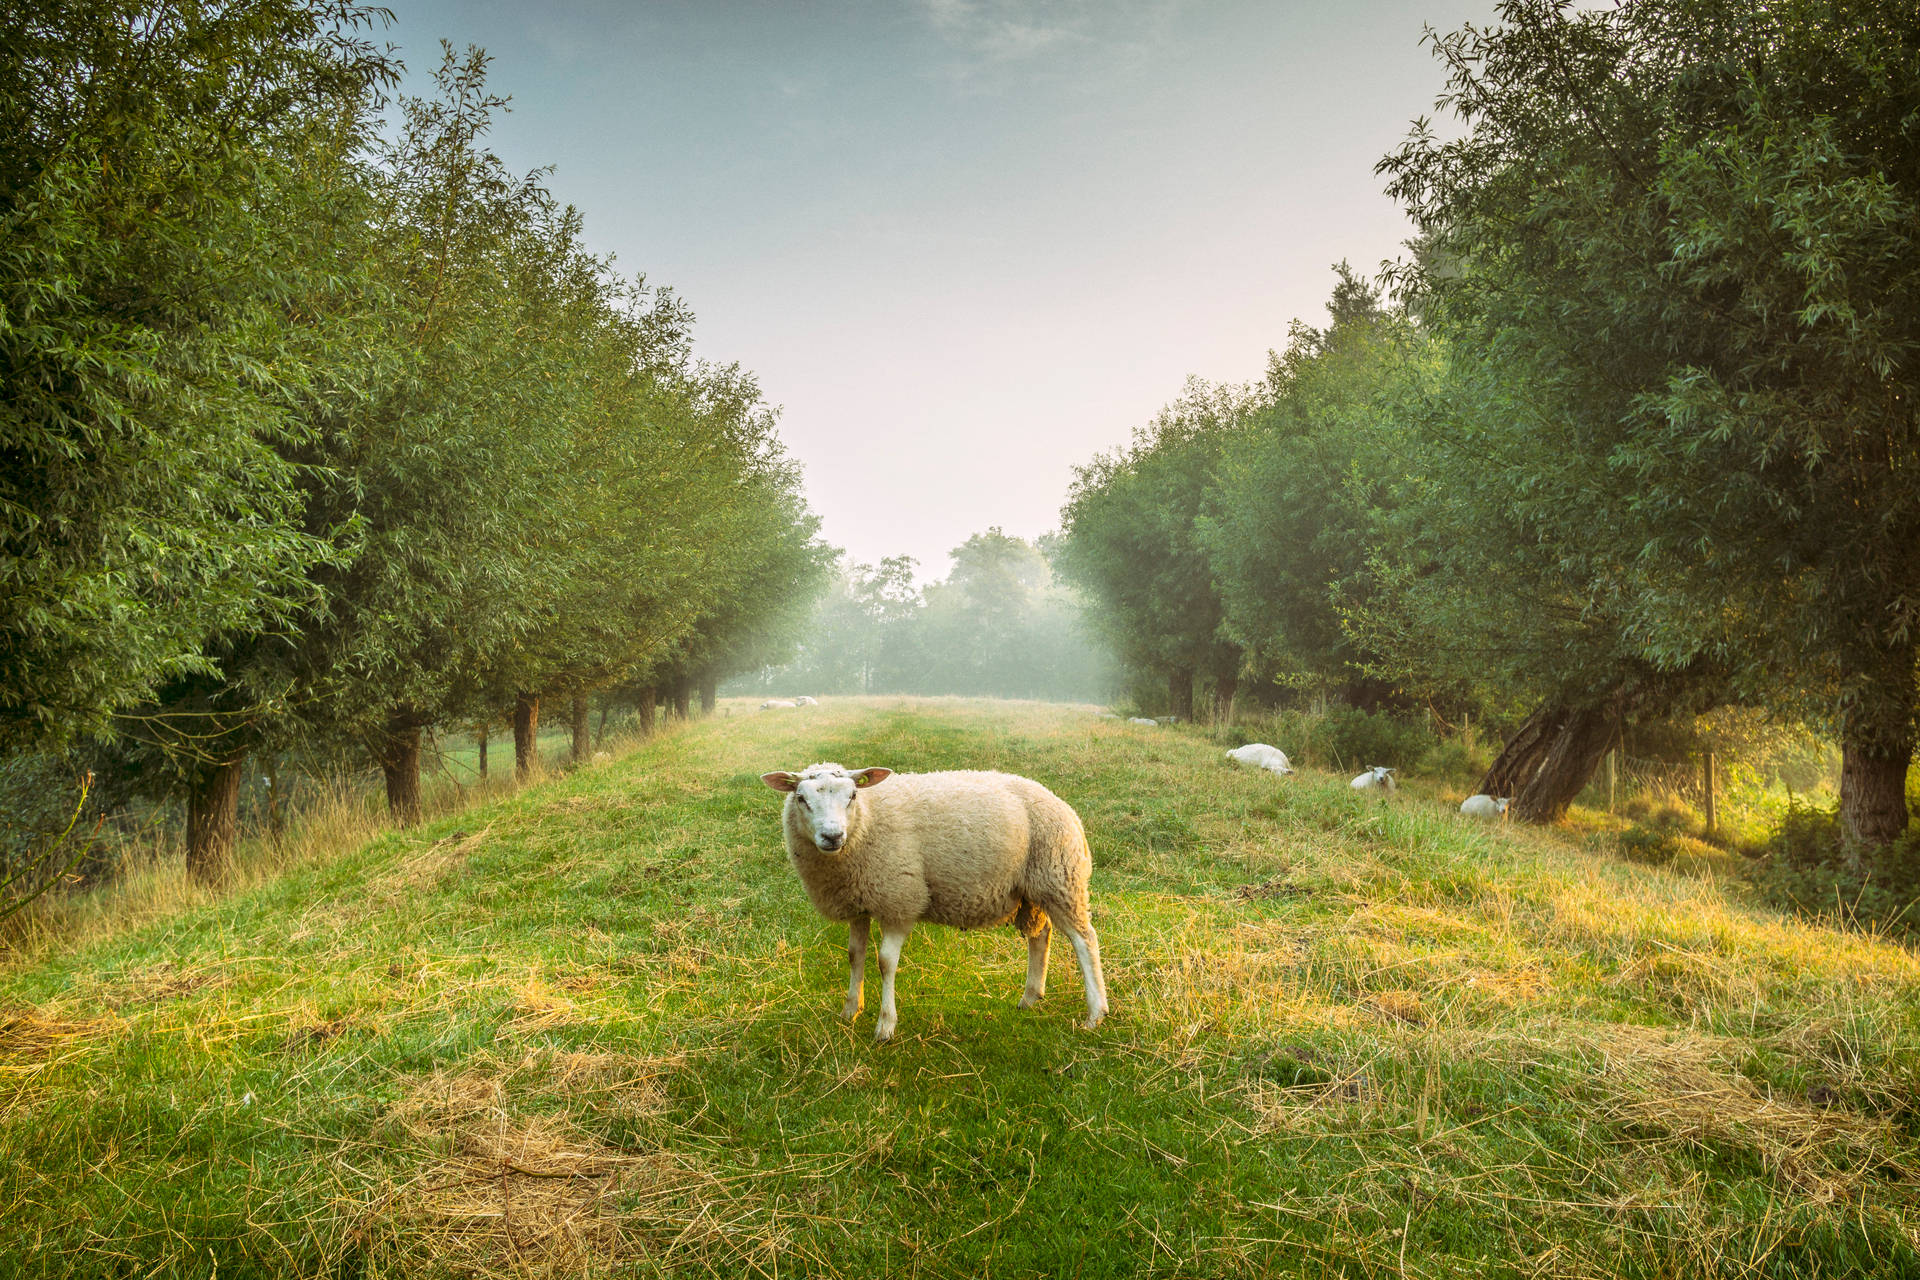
(590, 1029)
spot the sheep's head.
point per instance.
(820, 799)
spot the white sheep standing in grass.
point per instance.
(1376, 778)
(1485, 806)
(968, 849)
(1262, 756)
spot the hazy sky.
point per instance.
(966, 244)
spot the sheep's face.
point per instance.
(820, 801)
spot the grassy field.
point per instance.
(590, 1029)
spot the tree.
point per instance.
(1130, 542)
(150, 338)
(1687, 232)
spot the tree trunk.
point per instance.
(526, 735)
(480, 741)
(1569, 764)
(682, 699)
(1180, 692)
(600, 731)
(213, 819)
(709, 694)
(649, 699)
(1520, 759)
(1873, 790)
(400, 762)
(582, 738)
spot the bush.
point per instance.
(1353, 739)
(1809, 867)
(1452, 758)
(1653, 846)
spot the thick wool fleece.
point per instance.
(968, 849)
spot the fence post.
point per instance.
(1713, 823)
(1613, 776)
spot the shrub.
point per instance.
(1353, 739)
(1653, 846)
(1809, 867)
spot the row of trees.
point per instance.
(1641, 440)
(998, 625)
(322, 425)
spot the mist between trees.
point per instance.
(325, 435)
(998, 625)
(1635, 440)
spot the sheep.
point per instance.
(804, 701)
(1376, 778)
(774, 704)
(1151, 724)
(968, 849)
(1262, 756)
(1485, 806)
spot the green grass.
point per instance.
(590, 1028)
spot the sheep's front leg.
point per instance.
(1036, 967)
(857, 934)
(891, 940)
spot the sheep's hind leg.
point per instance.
(891, 940)
(1036, 967)
(857, 933)
(1086, 949)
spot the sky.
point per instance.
(965, 245)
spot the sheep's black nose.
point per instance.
(830, 843)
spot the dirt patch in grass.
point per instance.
(1681, 1088)
(515, 1185)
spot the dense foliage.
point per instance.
(1639, 441)
(318, 429)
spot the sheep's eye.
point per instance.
(802, 799)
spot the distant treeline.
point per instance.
(323, 427)
(1641, 438)
(997, 626)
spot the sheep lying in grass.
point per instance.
(1485, 806)
(1262, 756)
(1376, 778)
(775, 704)
(1142, 720)
(964, 849)
(804, 701)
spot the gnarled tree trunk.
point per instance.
(480, 741)
(400, 764)
(648, 700)
(526, 735)
(1873, 790)
(582, 737)
(1568, 766)
(1520, 759)
(709, 694)
(213, 819)
(682, 692)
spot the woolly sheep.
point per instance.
(1262, 756)
(968, 849)
(1376, 778)
(1151, 724)
(772, 704)
(804, 701)
(1485, 806)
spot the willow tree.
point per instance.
(1130, 542)
(150, 157)
(1689, 232)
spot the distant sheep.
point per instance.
(1151, 724)
(774, 704)
(1262, 756)
(1376, 778)
(1485, 806)
(804, 701)
(964, 849)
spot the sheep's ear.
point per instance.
(781, 781)
(869, 777)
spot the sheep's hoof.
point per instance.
(849, 1011)
(1093, 1019)
(883, 1033)
(1029, 1000)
